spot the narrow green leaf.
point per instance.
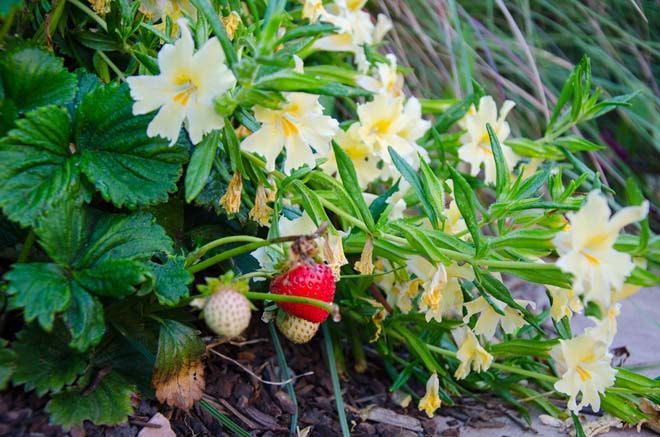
(311, 203)
(199, 167)
(350, 181)
(579, 431)
(206, 8)
(410, 175)
(501, 168)
(464, 197)
(435, 192)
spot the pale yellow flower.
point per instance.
(475, 148)
(185, 89)
(586, 248)
(387, 80)
(303, 225)
(488, 320)
(402, 295)
(101, 7)
(299, 127)
(564, 302)
(387, 121)
(355, 29)
(157, 10)
(629, 289)
(606, 328)
(231, 200)
(431, 401)
(313, 10)
(472, 355)
(361, 154)
(584, 365)
(442, 295)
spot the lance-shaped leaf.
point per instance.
(200, 165)
(501, 168)
(350, 181)
(288, 80)
(464, 197)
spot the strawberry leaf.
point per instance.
(126, 166)
(44, 362)
(172, 281)
(109, 403)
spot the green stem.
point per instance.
(111, 64)
(100, 21)
(226, 255)
(197, 254)
(343, 214)
(510, 369)
(293, 299)
(27, 246)
(336, 386)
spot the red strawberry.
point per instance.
(306, 280)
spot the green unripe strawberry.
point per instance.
(227, 313)
(294, 328)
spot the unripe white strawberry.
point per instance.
(296, 329)
(227, 313)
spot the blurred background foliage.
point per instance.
(523, 50)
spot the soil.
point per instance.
(266, 409)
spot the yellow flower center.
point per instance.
(356, 151)
(381, 126)
(584, 374)
(288, 127)
(592, 259)
(354, 5)
(188, 87)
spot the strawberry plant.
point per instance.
(217, 159)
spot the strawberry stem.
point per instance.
(329, 307)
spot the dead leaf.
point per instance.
(160, 427)
(383, 415)
(653, 412)
(183, 388)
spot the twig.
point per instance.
(251, 373)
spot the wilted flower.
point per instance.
(261, 212)
(185, 88)
(101, 7)
(157, 10)
(333, 253)
(584, 364)
(475, 148)
(489, 318)
(472, 355)
(431, 401)
(366, 265)
(231, 200)
(299, 127)
(564, 302)
(231, 23)
(586, 248)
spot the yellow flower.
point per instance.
(261, 212)
(365, 265)
(303, 225)
(475, 148)
(157, 10)
(564, 302)
(299, 127)
(472, 355)
(231, 200)
(606, 328)
(361, 154)
(586, 248)
(431, 401)
(584, 364)
(313, 10)
(489, 318)
(185, 89)
(387, 121)
(387, 81)
(355, 29)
